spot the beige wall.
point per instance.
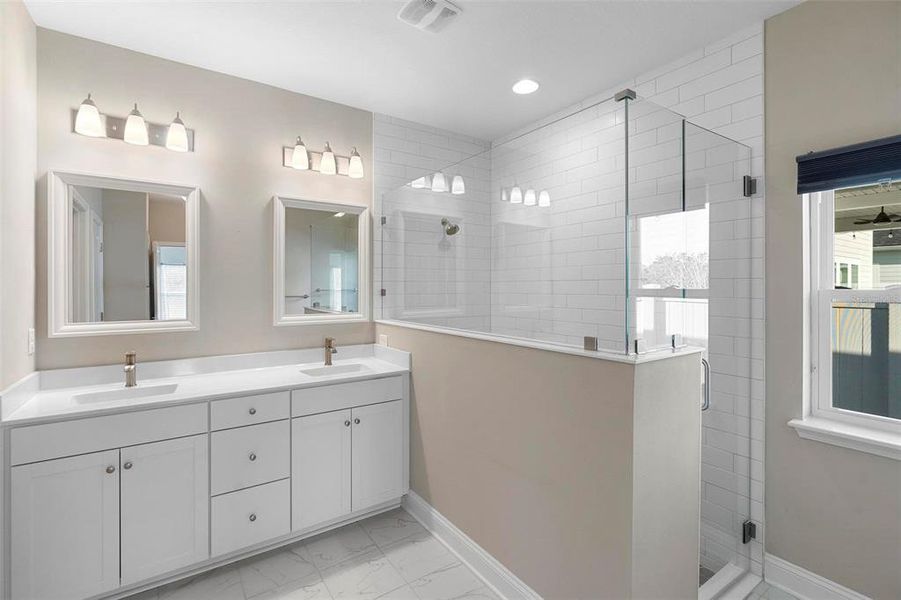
(530, 453)
(240, 128)
(833, 77)
(18, 155)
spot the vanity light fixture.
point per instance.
(516, 195)
(530, 198)
(300, 158)
(544, 199)
(439, 182)
(458, 186)
(87, 121)
(177, 136)
(420, 183)
(355, 166)
(136, 128)
(327, 164)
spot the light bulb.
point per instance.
(439, 183)
(419, 183)
(327, 165)
(530, 199)
(457, 185)
(516, 195)
(300, 158)
(136, 128)
(355, 168)
(87, 121)
(544, 199)
(177, 136)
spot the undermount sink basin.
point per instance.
(126, 393)
(336, 370)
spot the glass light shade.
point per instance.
(177, 136)
(503, 194)
(544, 199)
(457, 185)
(327, 164)
(516, 195)
(136, 128)
(87, 120)
(419, 183)
(530, 198)
(355, 168)
(300, 159)
(439, 182)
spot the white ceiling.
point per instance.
(358, 53)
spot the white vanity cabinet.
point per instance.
(320, 478)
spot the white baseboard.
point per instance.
(495, 575)
(802, 583)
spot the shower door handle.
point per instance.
(706, 403)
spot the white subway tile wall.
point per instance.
(557, 273)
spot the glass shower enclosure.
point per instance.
(621, 226)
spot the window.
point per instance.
(170, 281)
(856, 306)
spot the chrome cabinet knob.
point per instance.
(252, 457)
(252, 411)
(356, 421)
(127, 465)
(111, 469)
(253, 517)
(347, 423)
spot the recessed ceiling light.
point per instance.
(525, 86)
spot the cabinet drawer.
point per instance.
(310, 401)
(251, 516)
(80, 436)
(249, 410)
(249, 456)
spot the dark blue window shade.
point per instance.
(849, 166)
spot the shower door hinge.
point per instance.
(749, 186)
(384, 220)
(748, 531)
(383, 292)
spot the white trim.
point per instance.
(804, 584)
(846, 435)
(742, 587)
(58, 272)
(500, 579)
(722, 581)
(632, 359)
(279, 317)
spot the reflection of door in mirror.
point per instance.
(114, 267)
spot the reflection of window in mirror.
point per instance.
(127, 255)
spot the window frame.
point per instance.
(822, 295)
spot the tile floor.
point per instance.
(389, 556)
(765, 591)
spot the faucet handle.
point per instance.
(130, 358)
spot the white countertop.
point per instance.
(51, 395)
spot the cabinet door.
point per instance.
(378, 440)
(65, 527)
(165, 506)
(320, 478)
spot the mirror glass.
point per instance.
(321, 262)
(127, 255)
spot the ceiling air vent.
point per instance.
(428, 15)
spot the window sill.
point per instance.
(872, 441)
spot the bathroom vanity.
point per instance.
(111, 490)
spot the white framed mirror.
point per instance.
(320, 262)
(122, 256)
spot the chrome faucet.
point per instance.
(131, 372)
(329, 350)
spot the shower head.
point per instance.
(450, 228)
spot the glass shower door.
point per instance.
(695, 275)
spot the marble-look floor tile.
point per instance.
(479, 594)
(392, 526)
(419, 555)
(363, 577)
(274, 569)
(313, 588)
(403, 593)
(448, 583)
(337, 546)
(220, 584)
